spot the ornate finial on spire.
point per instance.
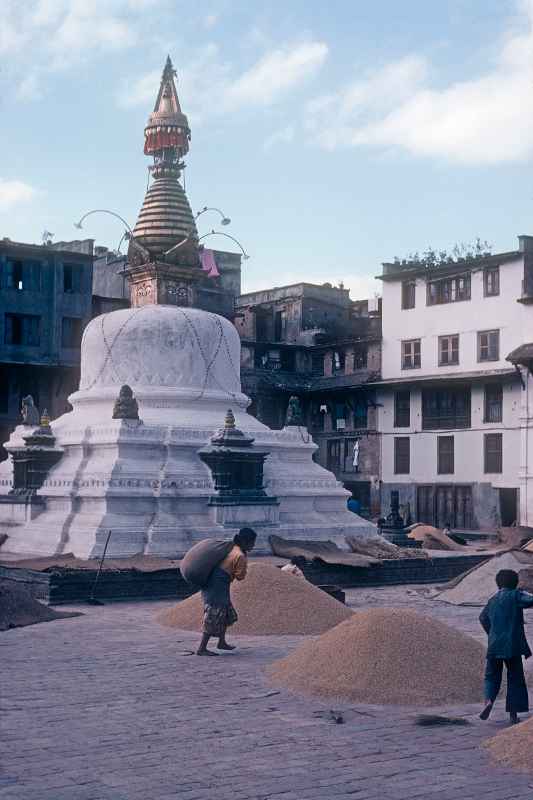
(168, 72)
(45, 419)
(167, 131)
(229, 422)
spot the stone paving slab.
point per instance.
(110, 706)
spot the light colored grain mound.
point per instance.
(434, 538)
(514, 746)
(18, 608)
(387, 656)
(515, 537)
(379, 547)
(476, 587)
(268, 602)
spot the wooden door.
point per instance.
(425, 502)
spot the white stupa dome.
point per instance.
(165, 353)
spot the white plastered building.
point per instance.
(455, 414)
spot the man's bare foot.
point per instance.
(485, 714)
(206, 653)
(225, 646)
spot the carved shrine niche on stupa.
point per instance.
(161, 284)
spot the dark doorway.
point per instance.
(361, 492)
(508, 506)
(261, 326)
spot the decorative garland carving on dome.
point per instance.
(115, 370)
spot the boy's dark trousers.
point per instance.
(517, 697)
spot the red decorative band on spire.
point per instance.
(165, 138)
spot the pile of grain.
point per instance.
(434, 538)
(268, 602)
(514, 746)
(476, 586)
(515, 537)
(387, 656)
(18, 608)
(379, 547)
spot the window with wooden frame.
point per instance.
(350, 451)
(448, 350)
(71, 331)
(402, 455)
(22, 275)
(493, 402)
(446, 408)
(72, 274)
(358, 404)
(402, 409)
(493, 453)
(339, 361)
(408, 294)
(445, 455)
(448, 290)
(411, 350)
(334, 454)
(317, 364)
(488, 345)
(491, 281)
(22, 329)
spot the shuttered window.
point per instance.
(488, 346)
(493, 403)
(402, 455)
(402, 409)
(493, 452)
(445, 455)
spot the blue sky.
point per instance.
(335, 135)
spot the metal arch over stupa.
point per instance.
(163, 255)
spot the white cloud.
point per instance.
(210, 20)
(201, 85)
(207, 87)
(14, 193)
(284, 136)
(277, 72)
(62, 33)
(483, 120)
(141, 91)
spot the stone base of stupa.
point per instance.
(143, 479)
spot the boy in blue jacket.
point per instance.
(503, 622)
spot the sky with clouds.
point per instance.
(335, 135)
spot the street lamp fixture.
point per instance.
(245, 255)
(224, 220)
(79, 224)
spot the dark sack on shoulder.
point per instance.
(199, 562)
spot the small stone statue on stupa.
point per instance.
(126, 406)
(29, 411)
(294, 414)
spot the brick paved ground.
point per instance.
(110, 706)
